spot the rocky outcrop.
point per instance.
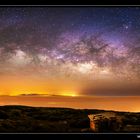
(105, 122)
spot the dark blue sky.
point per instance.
(53, 21)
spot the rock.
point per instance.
(105, 122)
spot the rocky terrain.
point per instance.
(24, 119)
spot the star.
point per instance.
(126, 26)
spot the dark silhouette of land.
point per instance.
(24, 119)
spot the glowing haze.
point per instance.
(83, 51)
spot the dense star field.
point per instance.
(70, 50)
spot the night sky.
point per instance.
(70, 51)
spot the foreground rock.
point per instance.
(112, 122)
(106, 122)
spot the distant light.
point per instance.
(70, 94)
(73, 95)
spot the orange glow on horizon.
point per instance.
(129, 103)
(43, 93)
(68, 93)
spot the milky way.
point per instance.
(85, 48)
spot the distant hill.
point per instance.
(32, 94)
(52, 120)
